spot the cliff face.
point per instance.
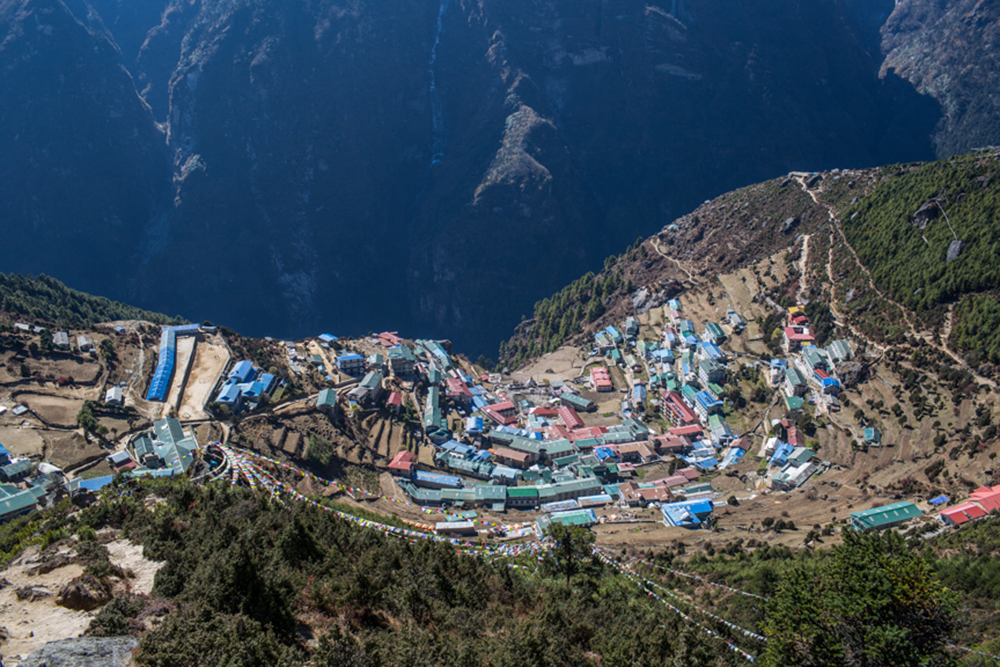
(950, 51)
(284, 166)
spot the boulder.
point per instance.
(84, 652)
(955, 249)
(789, 225)
(84, 593)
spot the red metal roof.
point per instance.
(402, 461)
(570, 418)
(584, 433)
(792, 334)
(395, 399)
(691, 429)
(987, 497)
(456, 387)
(964, 512)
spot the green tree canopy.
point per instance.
(874, 602)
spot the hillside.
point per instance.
(46, 299)
(918, 237)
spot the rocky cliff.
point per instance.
(286, 167)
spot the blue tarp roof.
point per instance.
(97, 483)
(940, 500)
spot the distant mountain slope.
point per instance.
(951, 51)
(46, 298)
(289, 167)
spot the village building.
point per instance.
(402, 361)
(351, 364)
(880, 518)
(114, 396)
(794, 337)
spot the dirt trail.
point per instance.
(803, 268)
(925, 335)
(656, 247)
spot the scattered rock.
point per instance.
(31, 593)
(955, 249)
(84, 652)
(790, 224)
(813, 181)
(849, 296)
(84, 593)
(51, 562)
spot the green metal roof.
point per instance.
(16, 503)
(794, 377)
(522, 492)
(878, 517)
(326, 397)
(16, 468)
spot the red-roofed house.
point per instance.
(395, 402)
(600, 379)
(402, 464)
(570, 418)
(690, 473)
(672, 481)
(795, 437)
(684, 431)
(956, 516)
(542, 411)
(389, 339)
(502, 413)
(670, 443)
(633, 495)
(678, 412)
(635, 452)
(556, 431)
(988, 498)
(584, 433)
(456, 390)
(795, 336)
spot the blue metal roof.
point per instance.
(436, 478)
(230, 394)
(243, 371)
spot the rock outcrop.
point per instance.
(84, 652)
(84, 593)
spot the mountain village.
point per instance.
(644, 424)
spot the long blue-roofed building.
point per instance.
(159, 386)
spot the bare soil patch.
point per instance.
(54, 410)
(210, 359)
